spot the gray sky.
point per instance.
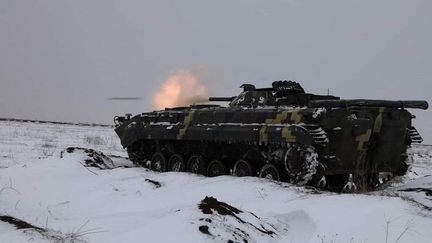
(62, 60)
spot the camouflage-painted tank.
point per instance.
(280, 133)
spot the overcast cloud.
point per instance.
(63, 60)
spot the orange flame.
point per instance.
(180, 89)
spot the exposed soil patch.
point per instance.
(19, 224)
(51, 235)
(427, 191)
(221, 208)
(157, 184)
(204, 229)
(94, 158)
(226, 223)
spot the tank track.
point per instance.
(289, 162)
(294, 163)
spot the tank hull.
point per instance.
(347, 140)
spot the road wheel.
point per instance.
(242, 168)
(158, 162)
(216, 168)
(176, 163)
(300, 163)
(269, 171)
(196, 165)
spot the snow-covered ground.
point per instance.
(25, 141)
(53, 189)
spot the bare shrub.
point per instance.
(48, 147)
(94, 140)
(407, 229)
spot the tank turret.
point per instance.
(282, 93)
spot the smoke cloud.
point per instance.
(181, 88)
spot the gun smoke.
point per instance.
(181, 88)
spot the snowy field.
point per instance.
(51, 194)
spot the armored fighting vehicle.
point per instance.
(280, 133)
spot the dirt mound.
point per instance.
(226, 223)
(92, 158)
(210, 203)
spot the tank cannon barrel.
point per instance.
(414, 104)
(228, 99)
